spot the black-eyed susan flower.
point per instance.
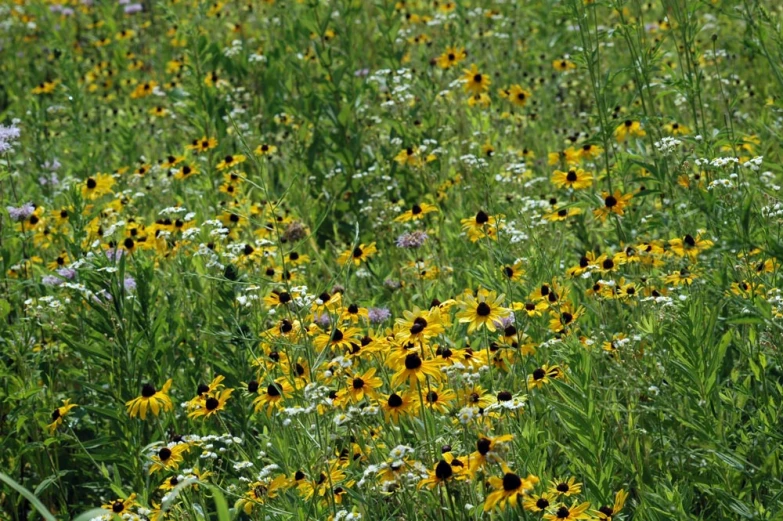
(58, 414)
(474, 81)
(508, 489)
(96, 186)
(613, 204)
(121, 506)
(575, 178)
(168, 458)
(360, 385)
(451, 57)
(396, 405)
(413, 368)
(230, 161)
(565, 487)
(265, 150)
(272, 396)
(629, 128)
(359, 254)
(484, 311)
(563, 512)
(608, 512)
(543, 375)
(211, 403)
(150, 399)
(538, 503)
(489, 450)
(689, 245)
(416, 212)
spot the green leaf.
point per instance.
(29, 496)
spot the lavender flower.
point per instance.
(133, 8)
(378, 315)
(8, 136)
(129, 283)
(323, 319)
(21, 213)
(412, 240)
(51, 280)
(67, 273)
(506, 321)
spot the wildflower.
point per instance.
(378, 315)
(564, 512)
(58, 414)
(629, 128)
(518, 96)
(508, 489)
(412, 240)
(474, 81)
(413, 368)
(359, 254)
(22, 212)
(564, 487)
(451, 57)
(482, 312)
(97, 186)
(608, 512)
(542, 376)
(168, 458)
(211, 403)
(397, 405)
(151, 399)
(121, 506)
(272, 397)
(417, 211)
(536, 503)
(575, 178)
(613, 203)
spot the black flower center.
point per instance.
(477, 78)
(252, 386)
(483, 309)
(432, 397)
(117, 507)
(562, 513)
(538, 374)
(357, 252)
(482, 217)
(606, 510)
(212, 403)
(164, 454)
(394, 400)
(412, 361)
(511, 482)
(56, 414)
(610, 201)
(201, 389)
(563, 487)
(443, 470)
(416, 209)
(689, 240)
(510, 331)
(608, 264)
(148, 391)
(358, 383)
(272, 391)
(542, 503)
(483, 445)
(337, 336)
(504, 396)
(571, 176)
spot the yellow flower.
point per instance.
(451, 57)
(58, 414)
(97, 186)
(613, 203)
(518, 96)
(358, 255)
(265, 150)
(168, 458)
(211, 404)
(484, 311)
(508, 489)
(608, 512)
(565, 513)
(416, 212)
(474, 81)
(629, 128)
(574, 178)
(230, 161)
(150, 399)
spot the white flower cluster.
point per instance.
(667, 145)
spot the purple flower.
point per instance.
(102, 297)
(323, 319)
(129, 283)
(412, 240)
(67, 273)
(361, 73)
(114, 254)
(133, 8)
(51, 280)
(506, 321)
(21, 213)
(392, 284)
(378, 315)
